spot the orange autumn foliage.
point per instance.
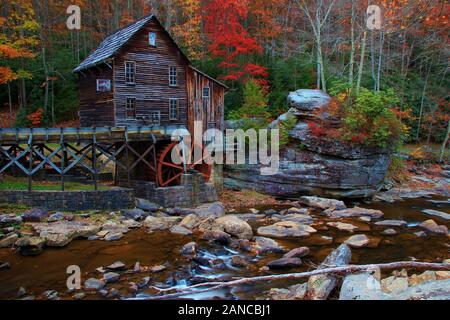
(7, 75)
(36, 117)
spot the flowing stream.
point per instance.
(48, 270)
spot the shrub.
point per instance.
(285, 126)
(36, 117)
(368, 118)
(254, 111)
(397, 169)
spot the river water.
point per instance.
(48, 270)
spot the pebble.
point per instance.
(118, 265)
(79, 296)
(297, 253)
(238, 261)
(50, 294)
(389, 232)
(93, 283)
(4, 265)
(21, 292)
(133, 288)
(284, 263)
(145, 281)
(421, 234)
(357, 241)
(111, 277)
(189, 249)
(113, 236)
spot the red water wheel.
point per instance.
(169, 172)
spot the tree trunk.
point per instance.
(361, 62)
(23, 94)
(116, 19)
(422, 103)
(444, 144)
(10, 106)
(380, 59)
(372, 61)
(44, 63)
(352, 52)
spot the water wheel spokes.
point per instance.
(169, 172)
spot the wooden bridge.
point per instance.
(64, 149)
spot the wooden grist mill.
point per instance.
(136, 89)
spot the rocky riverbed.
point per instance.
(139, 253)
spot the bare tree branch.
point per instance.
(200, 288)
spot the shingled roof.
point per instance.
(112, 44)
(109, 47)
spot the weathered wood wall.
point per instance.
(210, 113)
(96, 108)
(152, 90)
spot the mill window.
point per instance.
(130, 72)
(173, 76)
(155, 117)
(152, 39)
(173, 109)
(103, 85)
(131, 108)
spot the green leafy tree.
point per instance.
(254, 110)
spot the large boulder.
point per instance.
(354, 212)
(190, 221)
(430, 290)
(297, 253)
(266, 245)
(437, 213)
(285, 263)
(9, 219)
(358, 241)
(30, 246)
(363, 286)
(286, 229)
(323, 203)
(311, 164)
(8, 241)
(146, 205)
(308, 100)
(320, 286)
(61, 233)
(432, 226)
(135, 214)
(366, 287)
(392, 223)
(215, 210)
(300, 218)
(342, 226)
(35, 215)
(160, 223)
(235, 226)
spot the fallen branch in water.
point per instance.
(199, 288)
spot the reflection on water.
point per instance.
(48, 271)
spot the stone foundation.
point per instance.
(191, 192)
(114, 199)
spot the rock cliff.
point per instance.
(315, 165)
